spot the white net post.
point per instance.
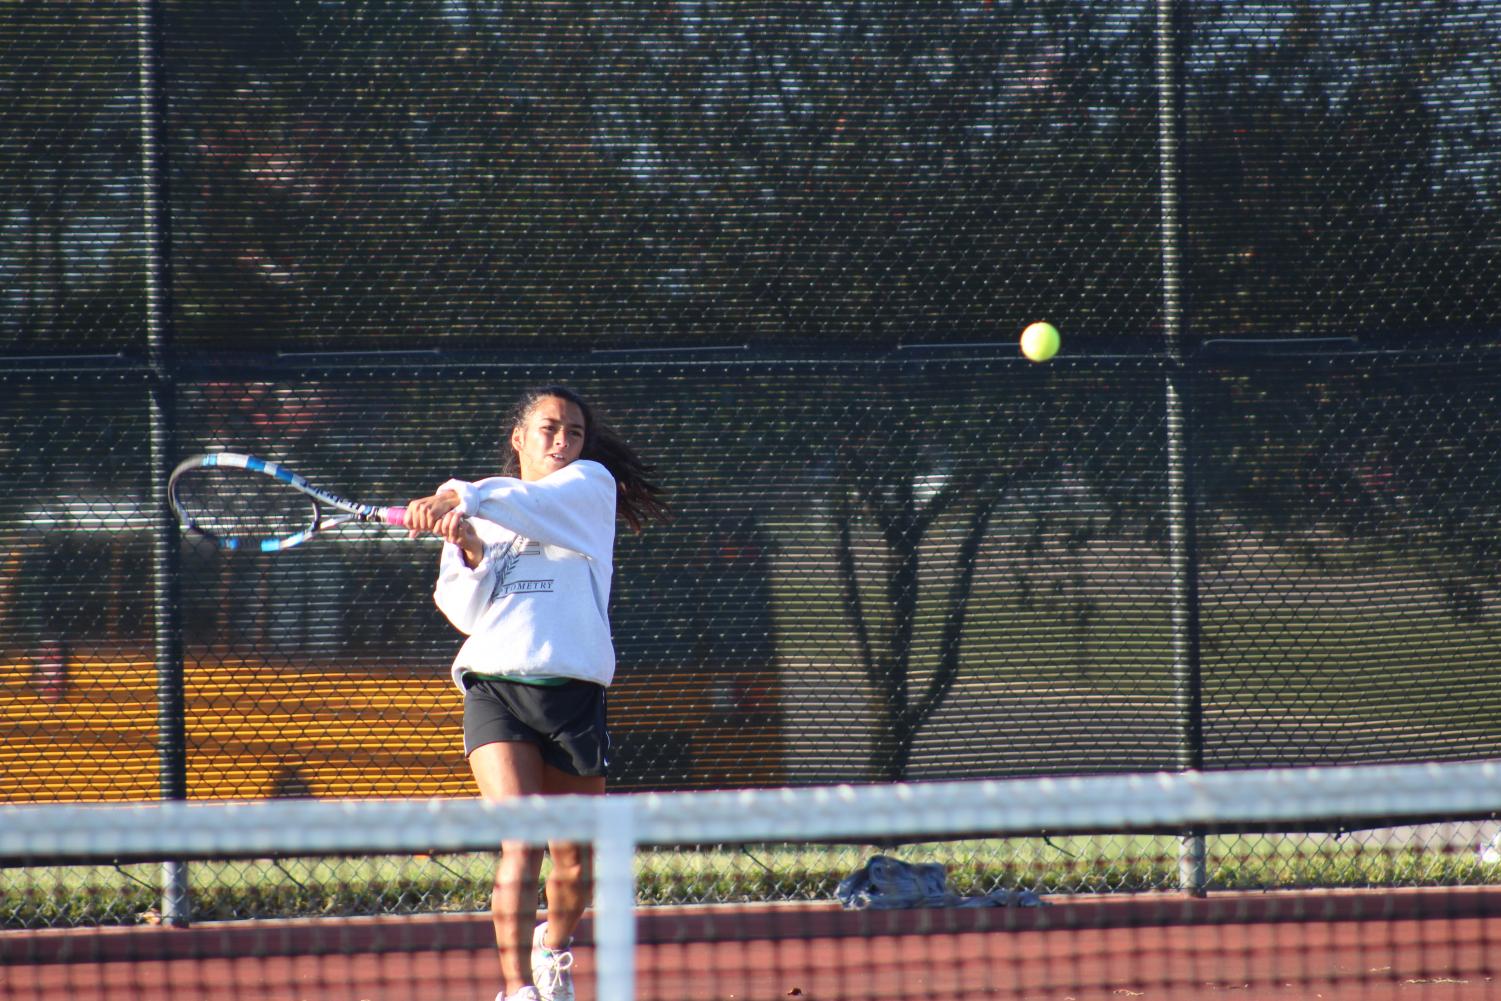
(615, 899)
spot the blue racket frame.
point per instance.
(349, 510)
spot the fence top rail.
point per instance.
(1216, 352)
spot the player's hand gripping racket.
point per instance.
(241, 502)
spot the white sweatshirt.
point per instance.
(538, 603)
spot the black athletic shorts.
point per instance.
(566, 721)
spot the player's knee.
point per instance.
(570, 865)
(519, 866)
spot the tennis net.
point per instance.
(1405, 909)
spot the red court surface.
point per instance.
(1424, 945)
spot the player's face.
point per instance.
(550, 438)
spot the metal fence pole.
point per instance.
(171, 739)
(1171, 46)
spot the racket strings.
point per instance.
(236, 504)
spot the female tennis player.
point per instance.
(525, 573)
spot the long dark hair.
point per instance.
(637, 497)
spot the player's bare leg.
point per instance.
(569, 888)
(504, 770)
(570, 881)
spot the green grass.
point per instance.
(107, 895)
(1393, 657)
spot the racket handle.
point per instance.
(393, 516)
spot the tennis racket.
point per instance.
(242, 502)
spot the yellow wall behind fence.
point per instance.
(255, 731)
(251, 732)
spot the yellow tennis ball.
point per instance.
(1040, 341)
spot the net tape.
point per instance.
(1268, 799)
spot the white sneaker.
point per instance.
(525, 994)
(552, 969)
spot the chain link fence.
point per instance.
(1246, 518)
